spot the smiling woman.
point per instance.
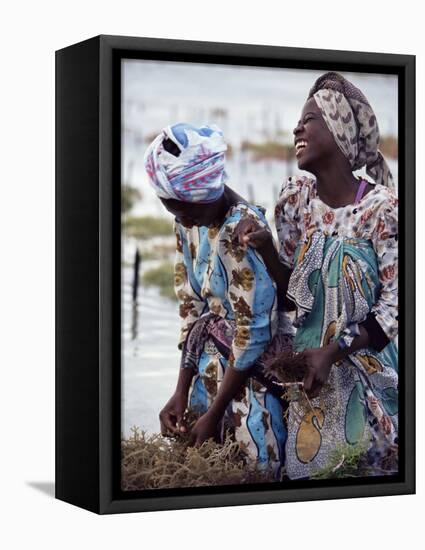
(338, 237)
(327, 286)
(311, 129)
(316, 151)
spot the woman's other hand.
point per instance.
(171, 416)
(205, 428)
(318, 362)
(249, 232)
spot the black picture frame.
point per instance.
(88, 303)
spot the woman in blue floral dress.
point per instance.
(227, 299)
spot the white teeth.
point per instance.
(300, 144)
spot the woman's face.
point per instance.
(312, 138)
(190, 214)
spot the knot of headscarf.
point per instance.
(197, 174)
(353, 124)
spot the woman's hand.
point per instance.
(318, 362)
(205, 428)
(171, 416)
(249, 232)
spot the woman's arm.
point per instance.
(206, 426)
(171, 416)
(191, 305)
(382, 322)
(252, 298)
(279, 272)
(320, 360)
(249, 233)
(287, 219)
(190, 309)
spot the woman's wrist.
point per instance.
(216, 411)
(267, 246)
(182, 395)
(184, 382)
(337, 352)
(334, 352)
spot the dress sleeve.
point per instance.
(252, 298)
(385, 242)
(191, 305)
(287, 217)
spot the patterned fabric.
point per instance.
(255, 415)
(212, 329)
(208, 327)
(197, 174)
(353, 124)
(341, 258)
(213, 274)
(300, 212)
(353, 305)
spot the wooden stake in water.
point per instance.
(137, 259)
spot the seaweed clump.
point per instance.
(158, 462)
(289, 367)
(346, 461)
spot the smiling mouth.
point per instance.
(300, 145)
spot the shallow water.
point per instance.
(249, 104)
(150, 358)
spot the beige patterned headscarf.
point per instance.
(353, 124)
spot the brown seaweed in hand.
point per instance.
(288, 367)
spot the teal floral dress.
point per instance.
(344, 263)
(217, 278)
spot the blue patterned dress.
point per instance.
(213, 274)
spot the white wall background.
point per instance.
(29, 34)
